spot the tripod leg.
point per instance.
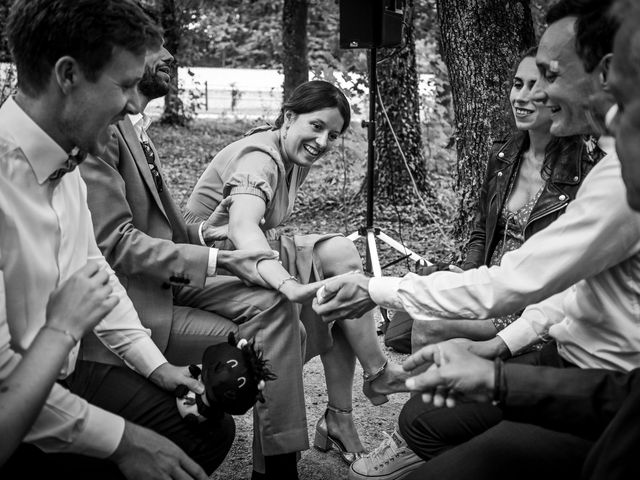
(373, 262)
(401, 248)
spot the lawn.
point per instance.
(330, 201)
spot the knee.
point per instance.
(338, 255)
(414, 427)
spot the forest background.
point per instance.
(468, 46)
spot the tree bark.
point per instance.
(295, 61)
(398, 86)
(481, 41)
(5, 6)
(173, 108)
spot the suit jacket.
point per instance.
(141, 233)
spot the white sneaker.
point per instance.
(391, 460)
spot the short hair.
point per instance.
(594, 28)
(42, 31)
(627, 14)
(316, 95)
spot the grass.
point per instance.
(330, 201)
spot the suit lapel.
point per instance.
(132, 141)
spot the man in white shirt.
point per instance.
(79, 63)
(592, 403)
(169, 273)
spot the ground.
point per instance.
(329, 202)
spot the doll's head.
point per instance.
(233, 374)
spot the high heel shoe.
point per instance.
(367, 379)
(324, 441)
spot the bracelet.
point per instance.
(497, 381)
(290, 277)
(60, 330)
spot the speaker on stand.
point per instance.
(373, 24)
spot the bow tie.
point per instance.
(75, 158)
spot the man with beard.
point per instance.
(169, 272)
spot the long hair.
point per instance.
(316, 95)
(557, 146)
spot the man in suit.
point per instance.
(169, 273)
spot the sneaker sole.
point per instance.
(397, 475)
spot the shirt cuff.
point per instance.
(518, 336)
(201, 235)
(384, 291)
(145, 357)
(102, 433)
(213, 262)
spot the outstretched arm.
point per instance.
(245, 215)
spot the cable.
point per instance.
(406, 164)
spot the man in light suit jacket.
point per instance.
(169, 273)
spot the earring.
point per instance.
(284, 133)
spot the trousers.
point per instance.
(473, 441)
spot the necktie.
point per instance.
(151, 160)
(75, 158)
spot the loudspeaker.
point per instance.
(370, 23)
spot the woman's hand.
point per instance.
(81, 301)
(298, 292)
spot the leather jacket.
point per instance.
(565, 179)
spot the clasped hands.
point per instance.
(447, 372)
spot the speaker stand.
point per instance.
(370, 232)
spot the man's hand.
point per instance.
(487, 348)
(142, 453)
(451, 372)
(343, 297)
(216, 227)
(169, 376)
(80, 302)
(244, 264)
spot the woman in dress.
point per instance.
(262, 172)
(531, 177)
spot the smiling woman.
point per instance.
(262, 174)
(531, 178)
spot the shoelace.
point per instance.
(377, 455)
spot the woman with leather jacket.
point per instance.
(530, 179)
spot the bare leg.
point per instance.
(339, 367)
(338, 255)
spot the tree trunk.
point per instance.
(481, 41)
(295, 60)
(5, 6)
(398, 86)
(174, 113)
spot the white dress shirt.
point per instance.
(141, 123)
(46, 235)
(586, 263)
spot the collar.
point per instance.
(43, 154)
(141, 124)
(607, 144)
